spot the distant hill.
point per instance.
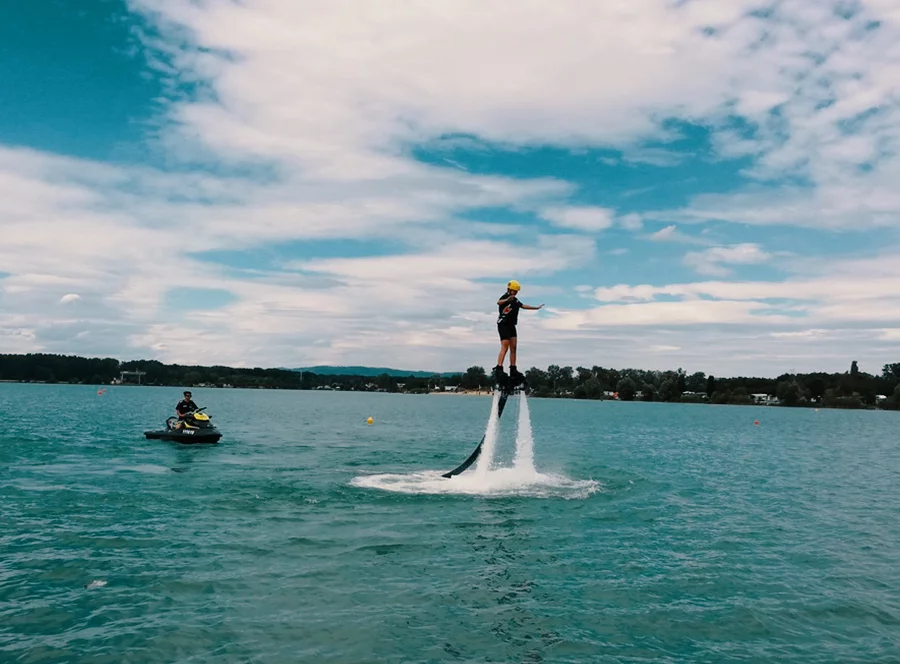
(373, 371)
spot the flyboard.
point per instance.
(505, 391)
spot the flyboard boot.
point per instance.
(501, 380)
(516, 380)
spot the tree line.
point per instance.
(850, 389)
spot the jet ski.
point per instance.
(196, 428)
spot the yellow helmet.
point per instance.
(514, 285)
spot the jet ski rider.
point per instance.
(184, 407)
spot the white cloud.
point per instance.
(672, 234)
(834, 282)
(802, 334)
(666, 234)
(711, 261)
(693, 312)
(819, 320)
(631, 222)
(69, 297)
(837, 126)
(328, 105)
(457, 264)
(469, 68)
(861, 294)
(579, 218)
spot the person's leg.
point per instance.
(504, 346)
(515, 377)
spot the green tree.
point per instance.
(696, 382)
(589, 389)
(668, 391)
(474, 378)
(584, 375)
(789, 392)
(710, 386)
(817, 388)
(739, 396)
(608, 378)
(560, 378)
(593, 389)
(537, 379)
(893, 402)
(626, 389)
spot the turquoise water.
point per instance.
(649, 532)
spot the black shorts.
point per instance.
(506, 332)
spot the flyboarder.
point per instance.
(509, 306)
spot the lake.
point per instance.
(646, 532)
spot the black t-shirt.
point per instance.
(185, 406)
(509, 311)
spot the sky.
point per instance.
(684, 184)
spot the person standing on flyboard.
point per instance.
(509, 306)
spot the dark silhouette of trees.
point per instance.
(851, 389)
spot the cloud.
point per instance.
(653, 157)
(830, 283)
(672, 234)
(802, 334)
(631, 222)
(836, 295)
(711, 261)
(418, 282)
(663, 314)
(667, 234)
(821, 132)
(814, 320)
(579, 218)
(497, 81)
(304, 130)
(70, 297)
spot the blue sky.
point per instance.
(283, 183)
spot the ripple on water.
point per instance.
(652, 533)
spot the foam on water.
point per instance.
(500, 482)
(522, 479)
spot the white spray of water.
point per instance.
(522, 479)
(524, 459)
(486, 458)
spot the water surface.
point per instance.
(658, 532)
